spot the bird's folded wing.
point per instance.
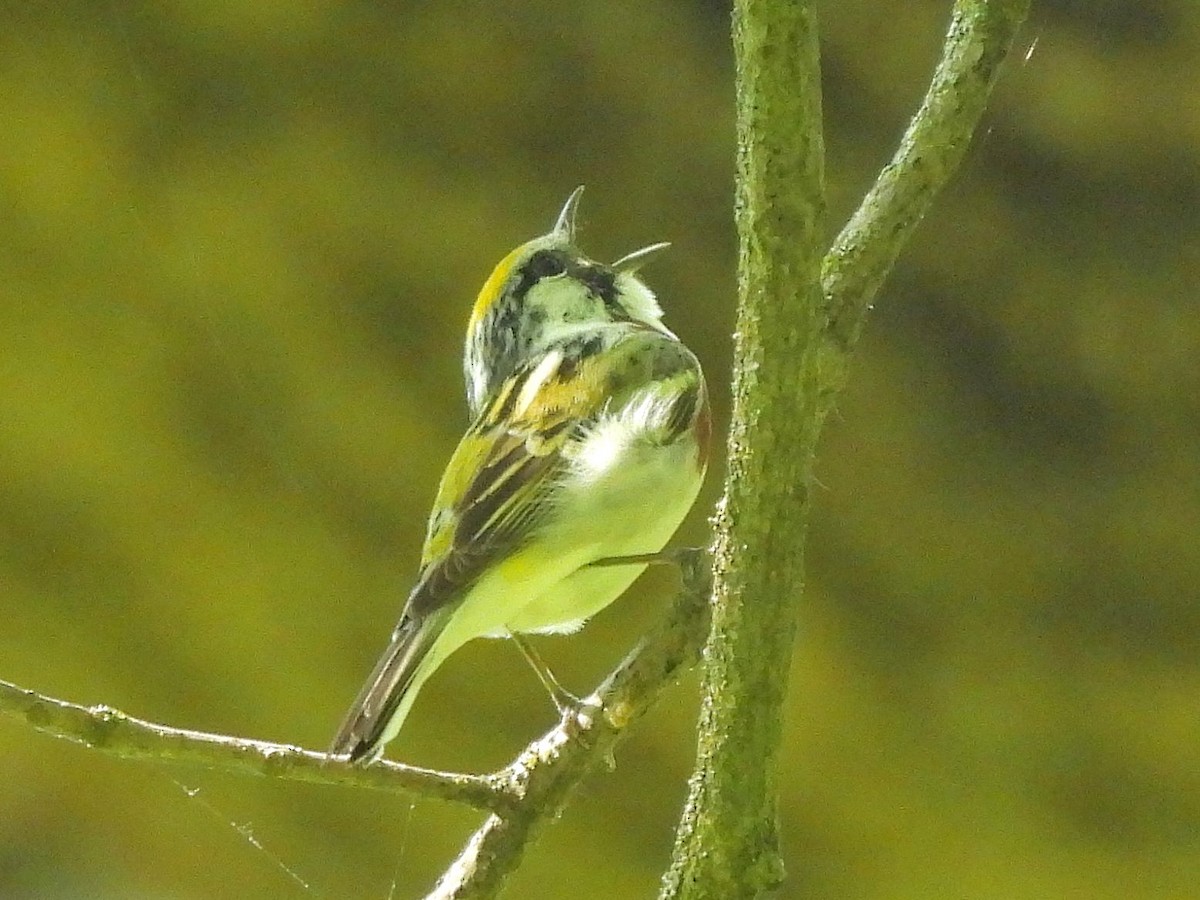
(501, 479)
(500, 483)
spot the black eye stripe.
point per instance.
(542, 264)
(546, 264)
(602, 282)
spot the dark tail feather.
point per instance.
(385, 695)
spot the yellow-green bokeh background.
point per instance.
(238, 243)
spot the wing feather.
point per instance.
(499, 485)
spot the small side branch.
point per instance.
(980, 36)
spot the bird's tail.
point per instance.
(389, 692)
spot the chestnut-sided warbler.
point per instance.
(588, 443)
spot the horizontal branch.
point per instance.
(114, 733)
(532, 789)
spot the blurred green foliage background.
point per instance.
(238, 245)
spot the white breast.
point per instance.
(625, 494)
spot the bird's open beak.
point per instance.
(565, 225)
(631, 262)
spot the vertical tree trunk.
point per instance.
(784, 376)
(798, 319)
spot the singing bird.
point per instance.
(588, 443)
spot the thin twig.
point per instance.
(979, 38)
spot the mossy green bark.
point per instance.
(780, 384)
(798, 319)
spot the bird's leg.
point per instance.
(566, 702)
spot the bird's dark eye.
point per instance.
(546, 264)
(603, 284)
